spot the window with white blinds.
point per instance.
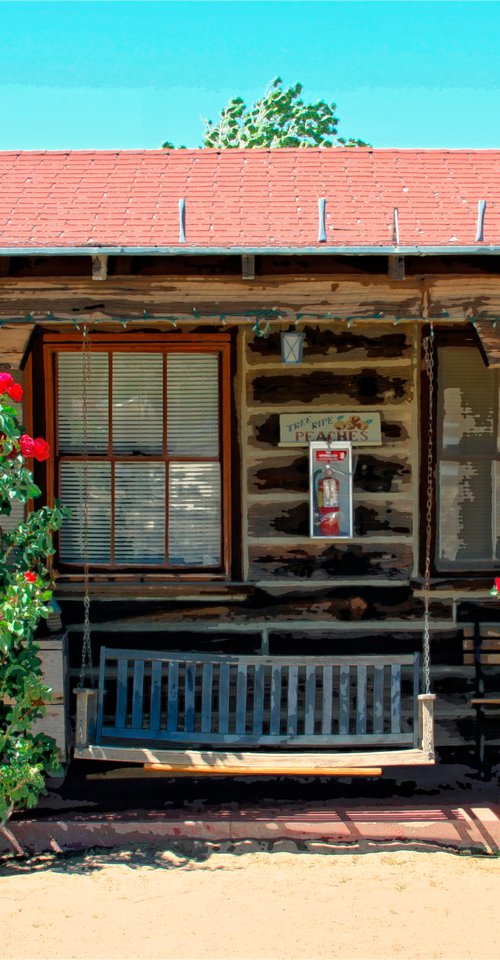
(149, 491)
(468, 469)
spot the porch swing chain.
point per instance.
(86, 670)
(429, 362)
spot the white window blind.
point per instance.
(140, 512)
(468, 398)
(192, 405)
(194, 514)
(154, 463)
(70, 403)
(138, 403)
(72, 493)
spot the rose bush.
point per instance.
(25, 591)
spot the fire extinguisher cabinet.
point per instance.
(330, 491)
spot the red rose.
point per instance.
(5, 382)
(41, 449)
(26, 445)
(15, 392)
(30, 577)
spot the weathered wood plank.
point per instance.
(337, 344)
(275, 720)
(189, 696)
(395, 698)
(275, 518)
(241, 698)
(375, 473)
(292, 715)
(344, 700)
(155, 701)
(272, 761)
(378, 700)
(172, 695)
(224, 677)
(137, 693)
(315, 561)
(327, 707)
(361, 678)
(368, 387)
(121, 693)
(206, 697)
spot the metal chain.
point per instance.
(86, 665)
(429, 362)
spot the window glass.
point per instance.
(467, 494)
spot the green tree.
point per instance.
(25, 591)
(279, 119)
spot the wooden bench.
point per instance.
(219, 713)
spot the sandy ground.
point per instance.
(246, 902)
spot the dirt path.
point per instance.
(251, 904)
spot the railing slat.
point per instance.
(241, 699)
(258, 700)
(378, 700)
(326, 719)
(293, 684)
(395, 699)
(224, 698)
(121, 692)
(344, 679)
(189, 690)
(310, 699)
(173, 696)
(275, 700)
(206, 697)
(361, 677)
(155, 701)
(137, 694)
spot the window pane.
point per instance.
(137, 403)
(468, 397)
(193, 404)
(194, 514)
(140, 512)
(465, 511)
(70, 403)
(99, 512)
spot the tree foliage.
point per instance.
(279, 119)
(25, 591)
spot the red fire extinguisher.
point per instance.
(328, 504)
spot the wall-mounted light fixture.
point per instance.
(292, 344)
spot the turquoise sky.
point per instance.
(118, 74)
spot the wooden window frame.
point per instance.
(163, 343)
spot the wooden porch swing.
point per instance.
(225, 715)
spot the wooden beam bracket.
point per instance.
(100, 267)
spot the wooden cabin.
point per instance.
(192, 326)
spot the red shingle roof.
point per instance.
(248, 199)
